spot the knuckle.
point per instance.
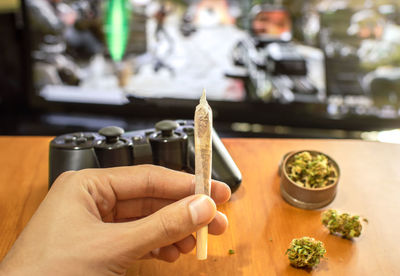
(86, 172)
(74, 178)
(63, 177)
(67, 174)
(146, 167)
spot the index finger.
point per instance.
(157, 182)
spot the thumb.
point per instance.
(170, 224)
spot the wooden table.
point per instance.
(261, 223)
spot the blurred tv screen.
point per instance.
(345, 54)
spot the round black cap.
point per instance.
(112, 133)
(166, 127)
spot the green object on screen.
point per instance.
(117, 27)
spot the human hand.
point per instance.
(99, 221)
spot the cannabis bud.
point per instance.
(311, 171)
(305, 252)
(343, 224)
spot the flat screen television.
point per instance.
(319, 63)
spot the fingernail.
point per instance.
(201, 209)
(155, 252)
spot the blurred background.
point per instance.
(300, 69)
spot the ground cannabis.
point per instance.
(305, 252)
(311, 171)
(346, 225)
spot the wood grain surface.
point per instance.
(262, 224)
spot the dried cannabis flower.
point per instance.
(311, 171)
(343, 224)
(305, 252)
